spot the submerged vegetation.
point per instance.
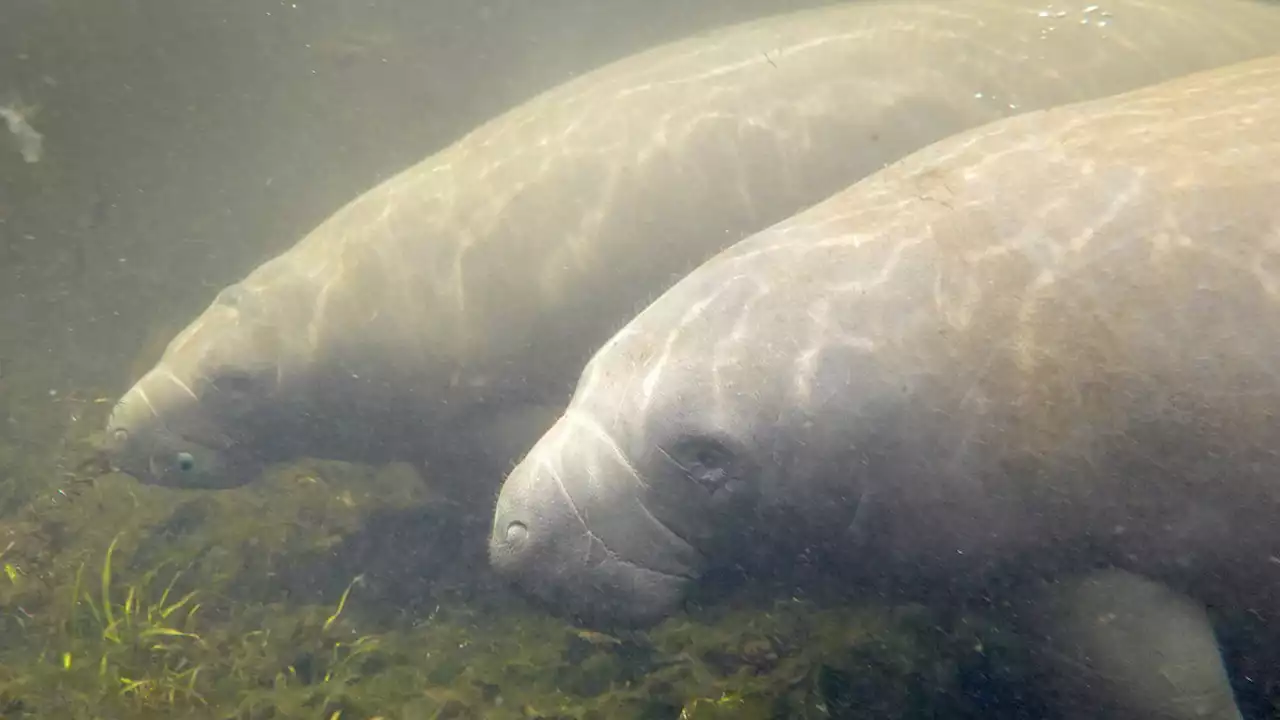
(136, 647)
(337, 592)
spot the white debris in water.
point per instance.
(30, 143)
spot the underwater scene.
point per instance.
(592, 359)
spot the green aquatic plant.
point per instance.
(142, 648)
(299, 662)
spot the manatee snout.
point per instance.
(570, 542)
(159, 434)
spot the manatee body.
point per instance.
(1037, 347)
(476, 283)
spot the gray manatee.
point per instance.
(1038, 347)
(475, 284)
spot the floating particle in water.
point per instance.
(17, 118)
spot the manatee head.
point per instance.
(189, 421)
(611, 530)
(664, 465)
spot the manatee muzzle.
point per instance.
(159, 433)
(570, 528)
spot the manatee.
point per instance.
(443, 316)
(1039, 347)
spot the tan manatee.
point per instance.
(1036, 348)
(472, 286)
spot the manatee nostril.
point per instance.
(516, 534)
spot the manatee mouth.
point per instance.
(157, 456)
(123, 453)
(158, 436)
(605, 590)
(582, 542)
(132, 431)
(507, 551)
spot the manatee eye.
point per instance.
(236, 384)
(707, 462)
(186, 462)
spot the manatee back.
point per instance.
(536, 235)
(486, 274)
